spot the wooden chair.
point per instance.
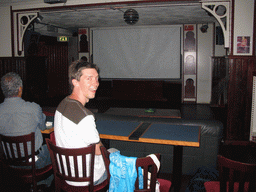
(234, 176)
(60, 175)
(105, 155)
(12, 158)
(150, 173)
(242, 151)
(52, 138)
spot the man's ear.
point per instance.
(74, 82)
(20, 91)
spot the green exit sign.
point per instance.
(63, 39)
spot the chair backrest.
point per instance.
(149, 173)
(236, 172)
(52, 138)
(105, 154)
(20, 151)
(65, 162)
(243, 151)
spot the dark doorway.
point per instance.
(36, 84)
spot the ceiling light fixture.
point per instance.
(204, 28)
(131, 16)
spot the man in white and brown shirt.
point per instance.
(74, 125)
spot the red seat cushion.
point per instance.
(214, 186)
(165, 185)
(48, 113)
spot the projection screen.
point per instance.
(138, 52)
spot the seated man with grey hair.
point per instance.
(18, 117)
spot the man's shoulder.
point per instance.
(20, 104)
(73, 110)
(31, 105)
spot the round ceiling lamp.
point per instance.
(131, 16)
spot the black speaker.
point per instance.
(31, 40)
(36, 82)
(75, 34)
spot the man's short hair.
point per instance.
(10, 84)
(75, 70)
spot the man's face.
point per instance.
(88, 84)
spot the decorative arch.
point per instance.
(190, 88)
(220, 10)
(23, 21)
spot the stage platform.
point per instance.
(187, 111)
(142, 112)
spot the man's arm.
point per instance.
(41, 118)
(97, 148)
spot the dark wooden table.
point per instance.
(158, 133)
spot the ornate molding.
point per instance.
(23, 22)
(220, 10)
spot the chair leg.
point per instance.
(57, 188)
(33, 188)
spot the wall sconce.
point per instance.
(39, 19)
(131, 16)
(204, 28)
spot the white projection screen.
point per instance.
(138, 52)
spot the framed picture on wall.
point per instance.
(243, 44)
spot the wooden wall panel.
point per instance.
(239, 97)
(56, 64)
(9, 64)
(219, 81)
(57, 68)
(144, 90)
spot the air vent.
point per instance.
(55, 1)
